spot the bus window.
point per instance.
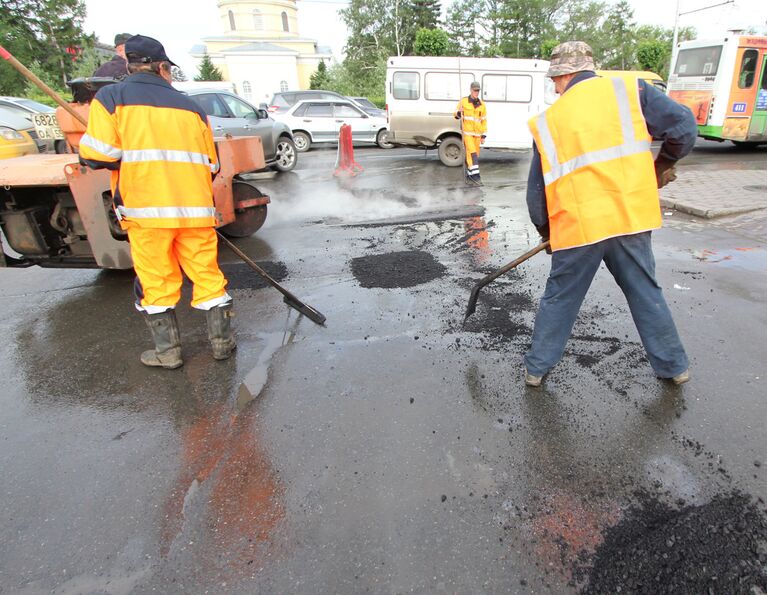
(445, 85)
(748, 69)
(406, 85)
(698, 61)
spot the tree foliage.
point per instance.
(45, 33)
(320, 78)
(207, 71)
(504, 28)
(431, 42)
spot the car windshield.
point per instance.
(365, 102)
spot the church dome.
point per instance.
(259, 18)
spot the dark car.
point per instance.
(230, 114)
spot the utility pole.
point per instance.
(679, 14)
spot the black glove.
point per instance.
(665, 171)
(458, 115)
(544, 231)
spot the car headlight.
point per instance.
(10, 134)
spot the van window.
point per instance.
(748, 69)
(698, 61)
(446, 85)
(516, 88)
(406, 85)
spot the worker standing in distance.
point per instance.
(473, 115)
(593, 191)
(117, 67)
(159, 146)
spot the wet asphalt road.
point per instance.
(394, 450)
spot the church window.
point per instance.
(246, 89)
(258, 21)
(283, 86)
(232, 26)
(285, 21)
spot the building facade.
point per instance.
(260, 49)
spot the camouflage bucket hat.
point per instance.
(569, 57)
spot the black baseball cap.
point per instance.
(140, 49)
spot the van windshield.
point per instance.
(698, 61)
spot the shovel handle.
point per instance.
(514, 263)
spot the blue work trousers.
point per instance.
(632, 264)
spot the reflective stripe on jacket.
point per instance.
(597, 166)
(159, 144)
(474, 118)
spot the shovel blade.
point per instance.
(472, 305)
(314, 315)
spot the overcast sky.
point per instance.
(180, 24)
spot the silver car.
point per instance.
(320, 121)
(230, 114)
(26, 108)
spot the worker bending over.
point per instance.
(593, 191)
(159, 145)
(473, 115)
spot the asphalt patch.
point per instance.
(396, 269)
(241, 277)
(718, 547)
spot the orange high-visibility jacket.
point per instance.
(159, 146)
(474, 118)
(597, 166)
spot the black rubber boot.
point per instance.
(220, 331)
(167, 341)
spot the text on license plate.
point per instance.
(47, 126)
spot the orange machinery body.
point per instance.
(51, 176)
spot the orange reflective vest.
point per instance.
(474, 118)
(159, 146)
(597, 166)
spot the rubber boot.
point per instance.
(167, 341)
(220, 331)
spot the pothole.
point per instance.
(396, 269)
(240, 276)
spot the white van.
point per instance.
(422, 93)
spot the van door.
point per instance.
(758, 128)
(509, 100)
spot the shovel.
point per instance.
(470, 309)
(291, 300)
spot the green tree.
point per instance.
(619, 28)
(426, 13)
(207, 71)
(652, 54)
(320, 78)
(431, 42)
(48, 32)
(462, 23)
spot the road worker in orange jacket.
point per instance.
(159, 146)
(473, 115)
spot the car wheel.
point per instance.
(61, 147)
(381, 139)
(286, 156)
(302, 141)
(451, 151)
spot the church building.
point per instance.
(261, 50)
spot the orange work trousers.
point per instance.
(472, 145)
(159, 257)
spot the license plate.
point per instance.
(47, 127)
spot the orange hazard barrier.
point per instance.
(345, 163)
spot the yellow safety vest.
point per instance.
(597, 166)
(474, 118)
